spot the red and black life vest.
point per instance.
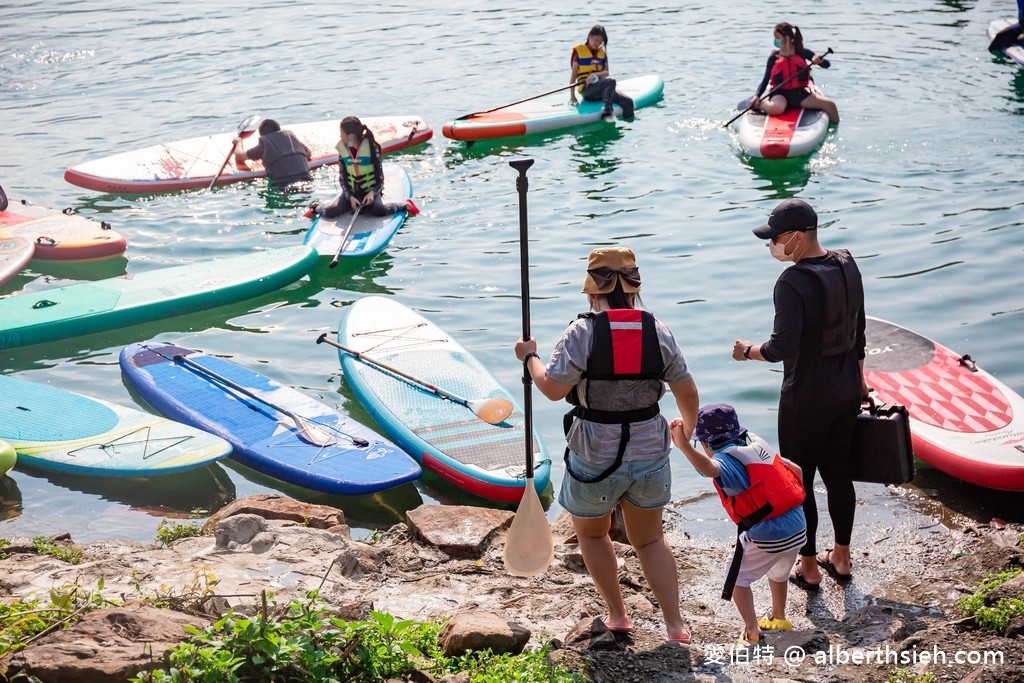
(792, 66)
(774, 488)
(623, 378)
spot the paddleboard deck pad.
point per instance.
(484, 459)
(549, 113)
(370, 234)
(1014, 51)
(266, 439)
(60, 236)
(194, 162)
(963, 421)
(86, 307)
(792, 134)
(15, 252)
(60, 431)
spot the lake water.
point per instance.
(921, 181)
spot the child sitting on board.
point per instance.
(762, 492)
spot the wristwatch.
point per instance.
(746, 351)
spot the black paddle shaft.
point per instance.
(522, 185)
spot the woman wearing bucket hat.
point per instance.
(612, 364)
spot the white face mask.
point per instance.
(778, 251)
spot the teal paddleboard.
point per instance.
(89, 307)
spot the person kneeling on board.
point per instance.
(283, 155)
(789, 70)
(361, 173)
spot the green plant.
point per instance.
(908, 676)
(26, 618)
(169, 531)
(70, 553)
(995, 617)
(306, 643)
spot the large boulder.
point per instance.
(274, 506)
(460, 531)
(477, 631)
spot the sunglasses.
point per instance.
(605, 276)
(775, 240)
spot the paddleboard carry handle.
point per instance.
(968, 362)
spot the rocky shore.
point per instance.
(899, 613)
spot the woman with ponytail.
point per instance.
(361, 173)
(590, 73)
(789, 71)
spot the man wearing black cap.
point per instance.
(819, 337)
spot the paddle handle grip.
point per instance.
(393, 370)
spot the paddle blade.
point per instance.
(529, 548)
(491, 410)
(312, 433)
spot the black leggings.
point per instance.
(818, 438)
(604, 91)
(341, 206)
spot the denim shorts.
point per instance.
(646, 484)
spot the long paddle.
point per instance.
(490, 410)
(529, 548)
(774, 90)
(309, 432)
(344, 237)
(512, 104)
(246, 128)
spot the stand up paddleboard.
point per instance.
(370, 234)
(478, 457)
(549, 112)
(60, 236)
(61, 431)
(1015, 50)
(282, 433)
(963, 421)
(194, 162)
(87, 307)
(792, 134)
(8, 457)
(15, 252)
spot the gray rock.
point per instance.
(475, 631)
(238, 530)
(460, 531)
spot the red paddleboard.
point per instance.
(60, 236)
(963, 421)
(15, 252)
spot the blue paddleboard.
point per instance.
(352, 460)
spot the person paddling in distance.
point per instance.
(612, 364)
(284, 156)
(819, 335)
(361, 173)
(590, 71)
(762, 493)
(791, 61)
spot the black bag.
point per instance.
(881, 451)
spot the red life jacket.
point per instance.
(786, 67)
(774, 488)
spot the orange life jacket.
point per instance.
(774, 488)
(786, 67)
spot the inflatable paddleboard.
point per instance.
(8, 457)
(353, 459)
(449, 440)
(548, 113)
(60, 431)
(963, 421)
(60, 236)
(1014, 51)
(795, 133)
(194, 162)
(15, 252)
(370, 234)
(86, 307)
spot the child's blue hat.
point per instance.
(717, 425)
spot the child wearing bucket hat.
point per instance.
(762, 492)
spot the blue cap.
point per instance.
(717, 425)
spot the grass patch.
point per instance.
(997, 617)
(307, 643)
(70, 552)
(908, 676)
(169, 531)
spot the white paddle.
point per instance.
(246, 128)
(529, 548)
(344, 237)
(490, 410)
